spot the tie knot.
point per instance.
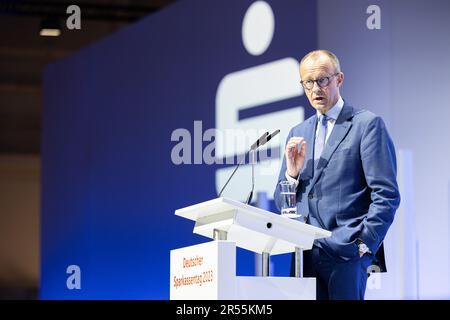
(323, 119)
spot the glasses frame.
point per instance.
(317, 81)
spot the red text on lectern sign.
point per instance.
(193, 273)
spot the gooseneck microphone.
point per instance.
(273, 134)
(261, 141)
(267, 139)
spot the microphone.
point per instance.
(262, 140)
(273, 134)
(267, 139)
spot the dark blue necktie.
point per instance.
(321, 137)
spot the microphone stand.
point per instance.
(252, 161)
(266, 137)
(262, 140)
(231, 176)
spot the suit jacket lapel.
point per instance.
(341, 127)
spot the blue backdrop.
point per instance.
(109, 187)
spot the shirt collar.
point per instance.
(335, 110)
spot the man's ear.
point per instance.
(340, 79)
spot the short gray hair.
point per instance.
(329, 54)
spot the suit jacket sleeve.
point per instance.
(380, 170)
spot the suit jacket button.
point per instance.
(310, 196)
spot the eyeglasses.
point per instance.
(321, 82)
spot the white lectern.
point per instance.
(208, 270)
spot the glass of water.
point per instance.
(288, 199)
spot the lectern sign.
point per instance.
(195, 271)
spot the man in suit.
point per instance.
(343, 163)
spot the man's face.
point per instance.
(315, 68)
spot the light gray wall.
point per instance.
(365, 55)
(402, 72)
(421, 52)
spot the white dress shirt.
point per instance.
(332, 115)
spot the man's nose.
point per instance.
(316, 88)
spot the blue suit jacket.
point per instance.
(353, 191)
